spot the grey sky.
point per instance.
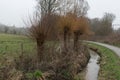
(13, 12)
(99, 7)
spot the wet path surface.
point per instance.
(113, 48)
(92, 67)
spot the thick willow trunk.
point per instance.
(76, 39)
(65, 41)
(65, 38)
(40, 49)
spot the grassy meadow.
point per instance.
(15, 44)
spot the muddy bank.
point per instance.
(93, 67)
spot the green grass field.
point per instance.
(9, 37)
(14, 44)
(110, 64)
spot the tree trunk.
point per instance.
(65, 42)
(40, 49)
(76, 39)
(65, 38)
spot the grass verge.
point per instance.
(110, 64)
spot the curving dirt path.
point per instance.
(113, 48)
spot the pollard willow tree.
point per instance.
(74, 21)
(65, 24)
(40, 30)
(43, 23)
(80, 27)
(81, 24)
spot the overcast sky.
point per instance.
(99, 7)
(13, 12)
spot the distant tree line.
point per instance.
(12, 30)
(103, 26)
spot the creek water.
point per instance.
(93, 66)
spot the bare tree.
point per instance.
(6, 29)
(109, 17)
(62, 7)
(40, 30)
(103, 26)
(95, 25)
(106, 24)
(80, 7)
(47, 7)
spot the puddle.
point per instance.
(92, 67)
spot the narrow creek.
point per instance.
(93, 66)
